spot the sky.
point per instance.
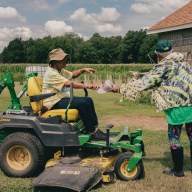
(40, 18)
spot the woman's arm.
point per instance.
(155, 76)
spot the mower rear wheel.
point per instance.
(121, 168)
(22, 155)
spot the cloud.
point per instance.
(108, 15)
(82, 15)
(157, 7)
(9, 14)
(108, 28)
(63, 1)
(103, 22)
(8, 34)
(55, 28)
(40, 5)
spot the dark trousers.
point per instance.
(86, 109)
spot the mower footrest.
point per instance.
(69, 176)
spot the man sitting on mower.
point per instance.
(57, 80)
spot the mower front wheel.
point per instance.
(21, 155)
(121, 168)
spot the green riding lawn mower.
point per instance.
(51, 144)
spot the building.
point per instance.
(177, 28)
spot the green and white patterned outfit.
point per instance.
(171, 84)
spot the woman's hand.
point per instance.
(89, 70)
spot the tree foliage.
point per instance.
(14, 52)
(134, 47)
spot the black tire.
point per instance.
(21, 155)
(143, 148)
(121, 164)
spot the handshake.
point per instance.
(108, 86)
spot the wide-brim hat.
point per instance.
(57, 55)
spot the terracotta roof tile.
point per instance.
(181, 16)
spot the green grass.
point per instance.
(157, 151)
(109, 104)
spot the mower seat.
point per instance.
(35, 88)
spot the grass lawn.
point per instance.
(157, 151)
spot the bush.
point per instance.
(145, 98)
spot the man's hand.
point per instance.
(115, 89)
(89, 70)
(92, 86)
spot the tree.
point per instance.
(87, 53)
(15, 52)
(41, 51)
(112, 49)
(147, 49)
(130, 46)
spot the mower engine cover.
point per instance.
(69, 176)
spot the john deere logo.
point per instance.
(69, 172)
(5, 120)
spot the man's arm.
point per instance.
(77, 73)
(80, 85)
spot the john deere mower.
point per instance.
(52, 144)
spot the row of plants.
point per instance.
(16, 68)
(115, 72)
(117, 68)
(113, 68)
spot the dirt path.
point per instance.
(152, 123)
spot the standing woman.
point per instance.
(57, 80)
(171, 83)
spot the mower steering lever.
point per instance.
(71, 92)
(109, 126)
(70, 101)
(85, 90)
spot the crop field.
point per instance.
(156, 146)
(113, 71)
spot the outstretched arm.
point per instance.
(77, 73)
(152, 79)
(81, 85)
(155, 76)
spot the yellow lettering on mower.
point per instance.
(5, 120)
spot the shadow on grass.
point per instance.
(51, 189)
(166, 161)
